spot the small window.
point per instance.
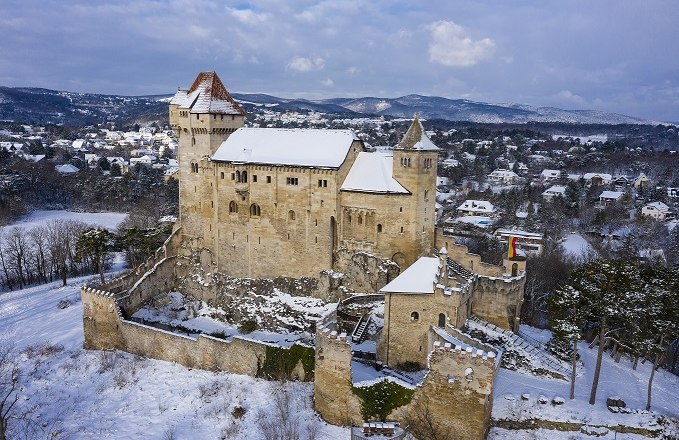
(254, 178)
(400, 209)
(238, 176)
(268, 179)
(197, 116)
(255, 211)
(233, 176)
(349, 218)
(442, 320)
(379, 227)
(426, 194)
(233, 207)
(292, 181)
(291, 215)
(360, 219)
(244, 176)
(414, 316)
(401, 229)
(221, 174)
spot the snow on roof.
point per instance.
(207, 94)
(518, 233)
(418, 278)
(284, 146)
(612, 195)
(416, 138)
(550, 173)
(373, 172)
(556, 189)
(66, 169)
(477, 206)
(476, 220)
(503, 173)
(605, 177)
(660, 206)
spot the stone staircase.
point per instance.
(531, 345)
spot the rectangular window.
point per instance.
(221, 174)
(292, 180)
(322, 183)
(254, 177)
(233, 176)
(268, 179)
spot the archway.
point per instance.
(399, 259)
(442, 320)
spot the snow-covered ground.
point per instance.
(88, 394)
(617, 380)
(108, 220)
(575, 245)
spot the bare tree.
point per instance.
(18, 249)
(420, 422)
(9, 378)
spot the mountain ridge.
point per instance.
(40, 105)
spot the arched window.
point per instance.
(237, 176)
(291, 215)
(408, 161)
(244, 176)
(360, 219)
(414, 316)
(379, 227)
(442, 320)
(515, 269)
(233, 207)
(255, 211)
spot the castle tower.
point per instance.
(202, 117)
(415, 164)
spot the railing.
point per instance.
(357, 434)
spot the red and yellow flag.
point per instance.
(511, 252)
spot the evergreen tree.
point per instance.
(97, 244)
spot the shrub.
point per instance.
(248, 326)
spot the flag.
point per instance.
(511, 252)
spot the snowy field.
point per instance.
(83, 394)
(575, 245)
(108, 220)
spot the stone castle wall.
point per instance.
(455, 401)
(498, 300)
(106, 329)
(460, 254)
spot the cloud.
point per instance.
(303, 64)
(566, 97)
(328, 82)
(451, 46)
(248, 16)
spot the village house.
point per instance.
(529, 242)
(554, 191)
(642, 181)
(503, 177)
(608, 198)
(476, 207)
(656, 210)
(550, 175)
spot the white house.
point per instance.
(642, 181)
(550, 175)
(610, 197)
(476, 207)
(657, 210)
(503, 177)
(529, 242)
(554, 191)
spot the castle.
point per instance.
(265, 203)
(280, 202)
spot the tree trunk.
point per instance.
(3, 428)
(599, 356)
(101, 270)
(650, 382)
(574, 363)
(636, 362)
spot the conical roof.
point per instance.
(207, 94)
(416, 138)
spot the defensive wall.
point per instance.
(456, 394)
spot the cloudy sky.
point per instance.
(612, 55)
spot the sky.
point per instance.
(612, 55)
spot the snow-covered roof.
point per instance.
(66, 169)
(503, 173)
(416, 138)
(418, 278)
(476, 220)
(550, 173)
(611, 195)
(555, 190)
(658, 206)
(207, 94)
(373, 172)
(287, 146)
(482, 206)
(518, 233)
(603, 176)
